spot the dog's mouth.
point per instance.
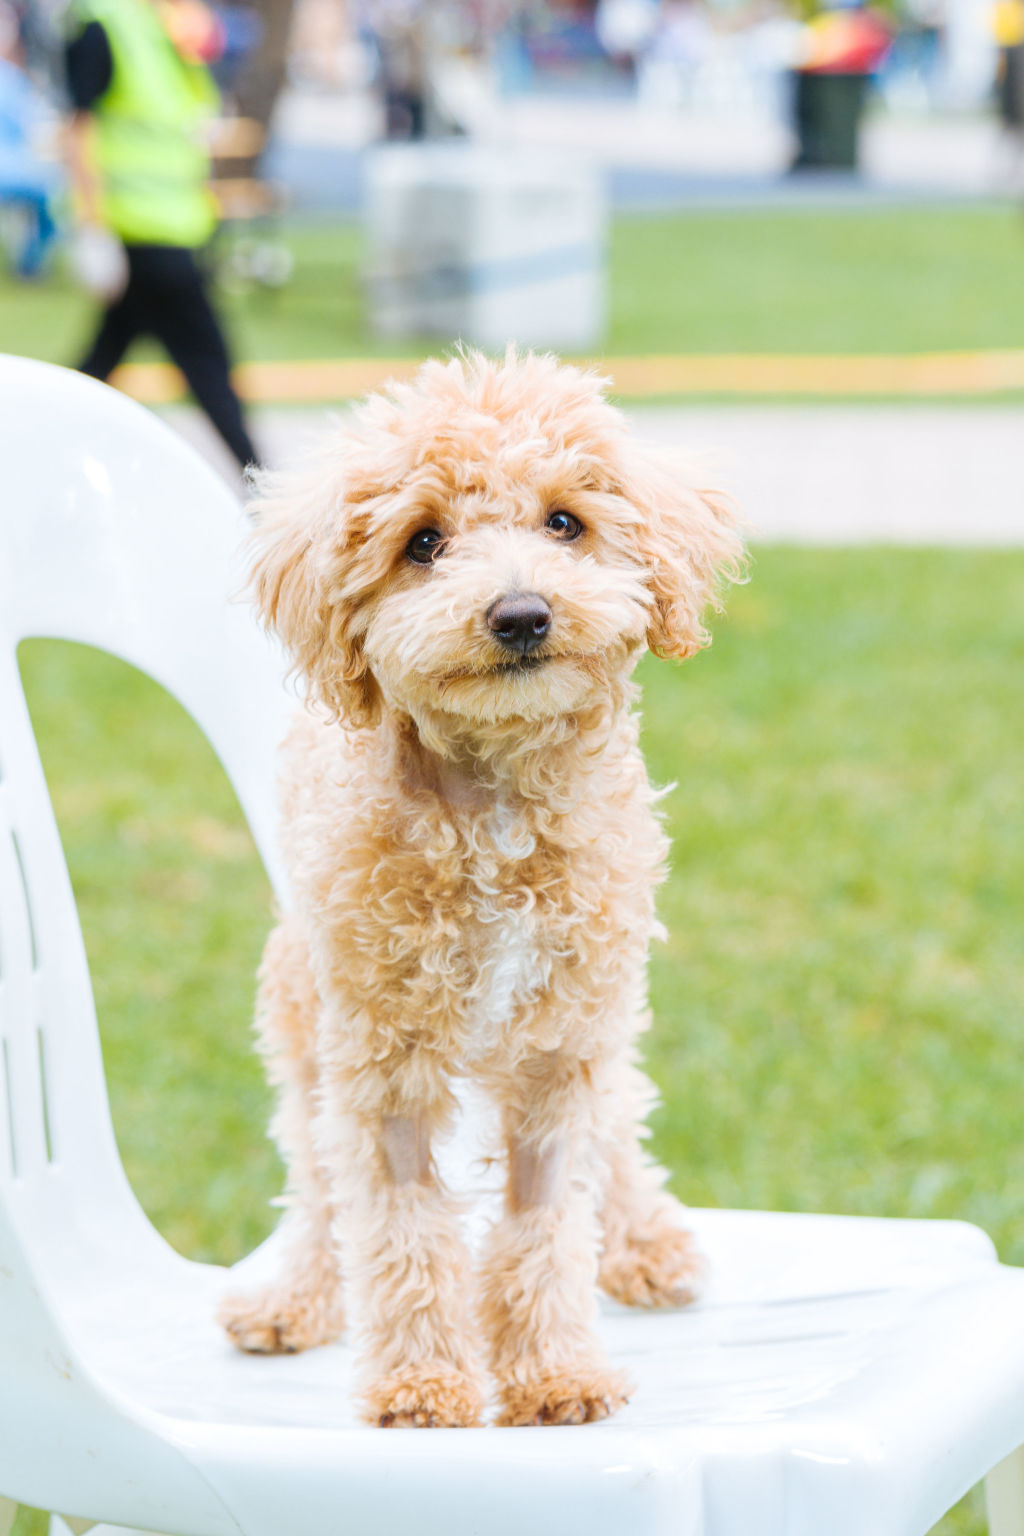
(513, 667)
(520, 664)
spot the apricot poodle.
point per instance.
(465, 580)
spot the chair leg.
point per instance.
(110, 1530)
(71, 1525)
(1004, 1496)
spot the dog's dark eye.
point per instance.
(425, 546)
(564, 526)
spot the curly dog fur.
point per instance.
(465, 581)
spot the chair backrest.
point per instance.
(115, 533)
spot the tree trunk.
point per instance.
(260, 81)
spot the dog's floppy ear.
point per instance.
(303, 540)
(689, 540)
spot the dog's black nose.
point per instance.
(520, 622)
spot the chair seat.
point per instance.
(830, 1358)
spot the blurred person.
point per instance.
(626, 28)
(319, 44)
(1008, 29)
(242, 31)
(846, 37)
(141, 94)
(679, 47)
(41, 34)
(913, 70)
(409, 40)
(398, 31)
(26, 182)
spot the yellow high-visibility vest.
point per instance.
(151, 161)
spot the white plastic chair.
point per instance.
(845, 1377)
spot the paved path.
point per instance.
(817, 474)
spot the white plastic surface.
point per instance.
(486, 244)
(1004, 1496)
(843, 1377)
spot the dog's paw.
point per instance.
(430, 1396)
(570, 1395)
(660, 1268)
(278, 1321)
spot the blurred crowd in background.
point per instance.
(476, 140)
(421, 70)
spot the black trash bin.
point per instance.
(827, 110)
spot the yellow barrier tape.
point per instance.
(920, 374)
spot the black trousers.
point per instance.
(167, 297)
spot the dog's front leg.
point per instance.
(538, 1302)
(405, 1259)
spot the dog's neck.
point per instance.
(551, 763)
(453, 780)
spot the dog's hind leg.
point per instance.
(648, 1259)
(302, 1305)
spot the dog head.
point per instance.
(486, 545)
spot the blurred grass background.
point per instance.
(846, 280)
(838, 1005)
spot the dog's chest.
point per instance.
(509, 959)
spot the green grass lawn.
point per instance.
(883, 280)
(838, 1006)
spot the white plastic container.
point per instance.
(472, 242)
